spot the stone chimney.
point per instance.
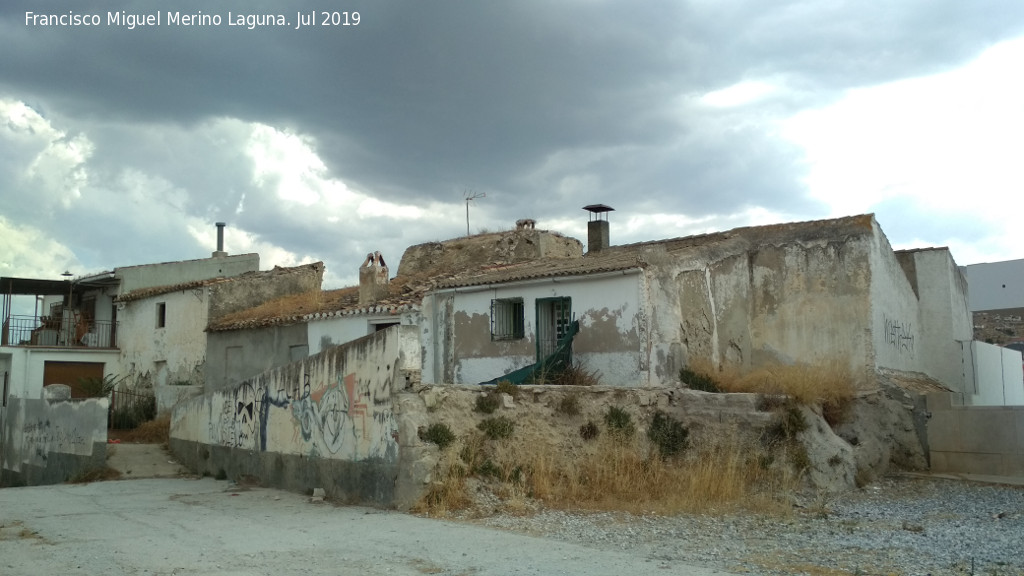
(220, 253)
(597, 228)
(373, 279)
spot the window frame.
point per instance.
(508, 319)
(161, 314)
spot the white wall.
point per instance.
(171, 273)
(181, 343)
(611, 342)
(336, 330)
(999, 376)
(996, 285)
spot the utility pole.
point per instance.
(470, 195)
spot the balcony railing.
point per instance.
(64, 332)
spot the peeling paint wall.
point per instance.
(611, 343)
(327, 421)
(153, 356)
(742, 304)
(49, 442)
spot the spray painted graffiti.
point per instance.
(899, 335)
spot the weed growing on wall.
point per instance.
(568, 405)
(723, 471)
(487, 403)
(589, 431)
(619, 423)
(668, 435)
(439, 434)
(506, 387)
(497, 428)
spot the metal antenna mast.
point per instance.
(470, 195)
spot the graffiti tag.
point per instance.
(899, 335)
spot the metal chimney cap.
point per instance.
(598, 208)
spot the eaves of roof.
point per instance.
(142, 293)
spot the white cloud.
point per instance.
(950, 145)
(56, 162)
(741, 94)
(950, 140)
(26, 251)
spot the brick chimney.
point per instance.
(597, 228)
(373, 279)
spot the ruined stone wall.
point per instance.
(254, 289)
(462, 254)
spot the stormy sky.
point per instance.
(123, 146)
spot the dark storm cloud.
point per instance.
(545, 106)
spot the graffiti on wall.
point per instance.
(43, 437)
(340, 415)
(899, 335)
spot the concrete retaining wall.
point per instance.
(49, 442)
(328, 421)
(975, 439)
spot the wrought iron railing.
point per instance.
(64, 332)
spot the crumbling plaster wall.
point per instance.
(611, 343)
(153, 356)
(740, 303)
(49, 441)
(328, 421)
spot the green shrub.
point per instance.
(96, 387)
(589, 431)
(619, 422)
(698, 381)
(668, 434)
(132, 415)
(575, 375)
(497, 428)
(439, 434)
(487, 403)
(789, 421)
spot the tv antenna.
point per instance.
(470, 195)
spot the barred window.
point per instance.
(507, 319)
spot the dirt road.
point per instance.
(209, 527)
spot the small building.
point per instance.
(821, 291)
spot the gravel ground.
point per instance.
(902, 525)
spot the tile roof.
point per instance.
(406, 293)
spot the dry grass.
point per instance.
(153, 432)
(822, 384)
(95, 475)
(716, 475)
